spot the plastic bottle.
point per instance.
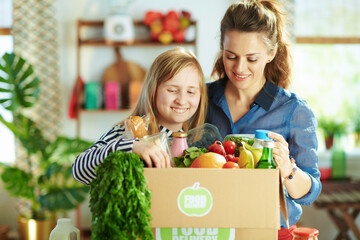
(266, 161)
(65, 230)
(179, 144)
(260, 136)
(304, 233)
(338, 159)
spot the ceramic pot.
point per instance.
(329, 142)
(31, 229)
(357, 139)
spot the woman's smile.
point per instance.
(242, 77)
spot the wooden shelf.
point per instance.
(328, 40)
(97, 111)
(5, 31)
(137, 43)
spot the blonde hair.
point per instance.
(262, 16)
(165, 67)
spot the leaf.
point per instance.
(194, 155)
(17, 182)
(188, 162)
(19, 81)
(31, 137)
(65, 150)
(191, 149)
(64, 199)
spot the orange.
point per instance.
(209, 160)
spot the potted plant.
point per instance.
(356, 129)
(331, 126)
(45, 179)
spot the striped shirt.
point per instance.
(84, 165)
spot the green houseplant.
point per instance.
(331, 126)
(45, 179)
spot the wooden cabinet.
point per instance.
(82, 42)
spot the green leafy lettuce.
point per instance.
(120, 199)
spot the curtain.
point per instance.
(35, 39)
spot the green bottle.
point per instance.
(338, 159)
(266, 161)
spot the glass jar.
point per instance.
(304, 233)
(65, 230)
(179, 144)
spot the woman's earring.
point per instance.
(269, 61)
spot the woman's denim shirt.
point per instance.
(279, 111)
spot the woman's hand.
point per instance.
(281, 154)
(153, 155)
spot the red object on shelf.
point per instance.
(112, 95)
(75, 98)
(325, 173)
(169, 27)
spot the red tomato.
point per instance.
(217, 147)
(229, 146)
(229, 157)
(230, 164)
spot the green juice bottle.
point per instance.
(266, 161)
(338, 159)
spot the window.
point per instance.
(327, 56)
(7, 146)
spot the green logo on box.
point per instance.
(195, 201)
(195, 233)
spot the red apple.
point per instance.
(151, 16)
(179, 36)
(171, 24)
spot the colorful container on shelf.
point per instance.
(112, 95)
(93, 99)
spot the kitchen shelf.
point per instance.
(328, 40)
(100, 111)
(137, 43)
(101, 42)
(5, 31)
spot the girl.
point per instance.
(253, 68)
(173, 94)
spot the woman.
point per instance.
(253, 71)
(173, 95)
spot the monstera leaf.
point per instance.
(17, 182)
(61, 191)
(18, 83)
(64, 150)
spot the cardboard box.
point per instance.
(200, 203)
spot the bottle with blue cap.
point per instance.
(260, 136)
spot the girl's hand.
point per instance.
(281, 154)
(153, 155)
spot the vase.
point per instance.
(357, 140)
(31, 229)
(329, 141)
